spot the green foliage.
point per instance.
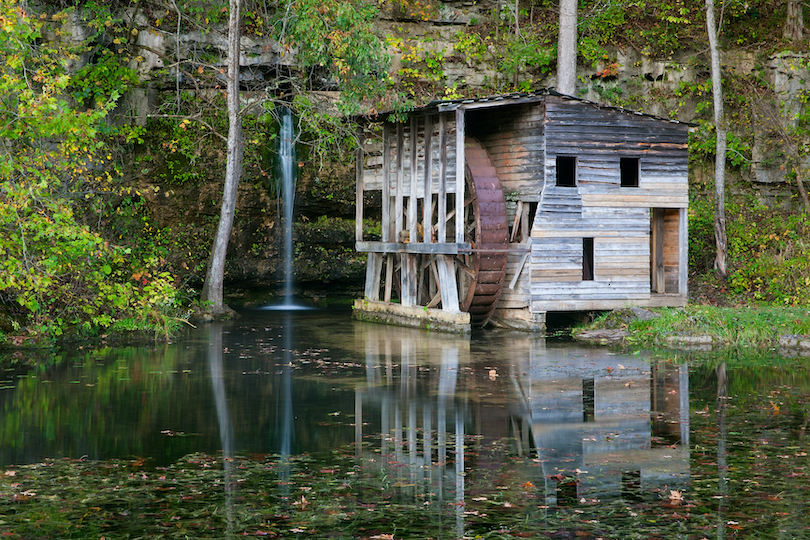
(94, 82)
(337, 37)
(179, 143)
(422, 71)
(470, 46)
(46, 140)
(195, 14)
(599, 27)
(422, 10)
(768, 251)
(701, 232)
(703, 146)
(524, 53)
(56, 275)
(770, 255)
(753, 328)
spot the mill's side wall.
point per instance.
(597, 207)
(513, 136)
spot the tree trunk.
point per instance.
(720, 155)
(567, 48)
(215, 274)
(800, 185)
(794, 22)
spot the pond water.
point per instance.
(308, 424)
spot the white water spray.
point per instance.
(287, 170)
(286, 154)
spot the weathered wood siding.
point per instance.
(599, 137)
(373, 171)
(516, 292)
(513, 136)
(598, 207)
(671, 268)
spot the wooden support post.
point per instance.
(386, 207)
(460, 173)
(358, 201)
(526, 227)
(683, 251)
(441, 233)
(517, 221)
(434, 289)
(373, 272)
(658, 282)
(389, 276)
(427, 197)
(522, 263)
(386, 183)
(407, 272)
(414, 182)
(398, 204)
(447, 283)
(420, 279)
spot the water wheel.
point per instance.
(482, 271)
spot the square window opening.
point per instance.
(629, 171)
(566, 171)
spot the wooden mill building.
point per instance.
(566, 205)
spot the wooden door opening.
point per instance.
(664, 251)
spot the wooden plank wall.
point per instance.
(599, 137)
(518, 296)
(513, 136)
(373, 165)
(617, 218)
(400, 160)
(671, 268)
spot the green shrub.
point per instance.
(57, 276)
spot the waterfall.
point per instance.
(286, 154)
(286, 171)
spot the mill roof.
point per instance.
(513, 98)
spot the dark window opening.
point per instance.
(587, 259)
(566, 171)
(629, 171)
(532, 213)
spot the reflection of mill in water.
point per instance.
(590, 415)
(584, 414)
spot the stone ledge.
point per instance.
(413, 316)
(604, 337)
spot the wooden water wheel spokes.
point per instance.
(481, 271)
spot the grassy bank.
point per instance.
(748, 327)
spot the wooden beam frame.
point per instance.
(441, 219)
(427, 198)
(683, 252)
(460, 173)
(443, 248)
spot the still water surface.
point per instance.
(503, 434)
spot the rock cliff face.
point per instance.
(432, 59)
